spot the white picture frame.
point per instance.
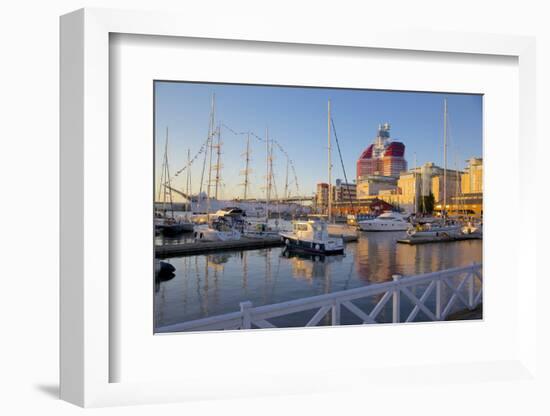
(86, 355)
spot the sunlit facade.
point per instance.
(472, 178)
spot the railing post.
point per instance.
(438, 299)
(246, 318)
(336, 313)
(396, 318)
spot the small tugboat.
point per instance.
(312, 237)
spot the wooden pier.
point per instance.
(244, 243)
(427, 240)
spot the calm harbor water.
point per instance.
(213, 284)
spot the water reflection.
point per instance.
(213, 284)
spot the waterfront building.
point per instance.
(467, 204)
(343, 191)
(470, 199)
(371, 205)
(409, 186)
(417, 183)
(453, 184)
(472, 178)
(384, 157)
(321, 196)
(373, 184)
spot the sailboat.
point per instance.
(165, 221)
(312, 236)
(443, 229)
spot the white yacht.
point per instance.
(216, 231)
(387, 221)
(312, 237)
(226, 225)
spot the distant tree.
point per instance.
(427, 204)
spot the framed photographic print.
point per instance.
(284, 213)
(258, 227)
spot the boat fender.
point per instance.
(317, 247)
(287, 242)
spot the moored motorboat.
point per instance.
(168, 225)
(387, 221)
(312, 237)
(226, 225)
(215, 232)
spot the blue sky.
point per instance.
(297, 119)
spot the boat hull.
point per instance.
(207, 234)
(439, 233)
(376, 226)
(175, 229)
(313, 247)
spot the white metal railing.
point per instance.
(460, 282)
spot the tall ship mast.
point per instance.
(329, 211)
(444, 208)
(268, 174)
(217, 167)
(165, 188)
(246, 172)
(208, 153)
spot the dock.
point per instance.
(427, 240)
(244, 243)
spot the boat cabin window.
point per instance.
(318, 227)
(300, 227)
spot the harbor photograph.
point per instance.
(293, 207)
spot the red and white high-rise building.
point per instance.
(384, 157)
